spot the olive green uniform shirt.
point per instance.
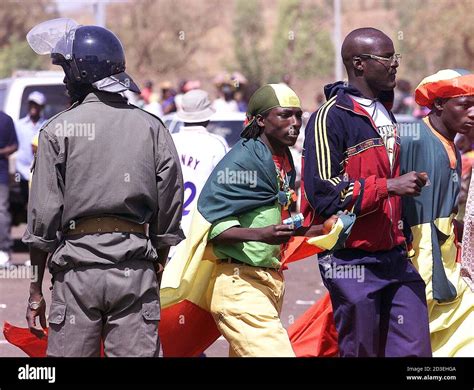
(104, 157)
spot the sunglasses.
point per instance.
(393, 59)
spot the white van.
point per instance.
(226, 125)
(14, 93)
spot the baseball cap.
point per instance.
(37, 97)
(195, 107)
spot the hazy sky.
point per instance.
(74, 5)
(83, 10)
(68, 5)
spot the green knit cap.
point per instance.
(270, 96)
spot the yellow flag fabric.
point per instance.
(451, 323)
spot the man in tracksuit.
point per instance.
(351, 162)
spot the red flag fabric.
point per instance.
(181, 319)
(25, 340)
(298, 249)
(314, 333)
(30, 344)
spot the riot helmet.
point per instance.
(87, 54)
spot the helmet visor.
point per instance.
(53, 36)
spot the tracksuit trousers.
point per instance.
(379, 303)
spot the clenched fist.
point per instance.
(409, 184)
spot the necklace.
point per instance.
(286, 195)
(372, 101)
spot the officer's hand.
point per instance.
(31, 316)
(276, 234)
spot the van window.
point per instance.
(228, 129)
(57, 99)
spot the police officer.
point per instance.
(106, 202)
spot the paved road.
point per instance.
(303, 288)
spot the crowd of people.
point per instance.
(130, 212)
(20, 137)
(232, 92)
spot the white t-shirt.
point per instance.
(385, 127)
(154, 108)
(222, 106)
(26, 131)
(199, 152)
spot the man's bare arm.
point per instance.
(38, 262)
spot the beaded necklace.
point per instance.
(286, 195)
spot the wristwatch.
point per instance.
(35, 305)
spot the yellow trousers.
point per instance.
(246, 305)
